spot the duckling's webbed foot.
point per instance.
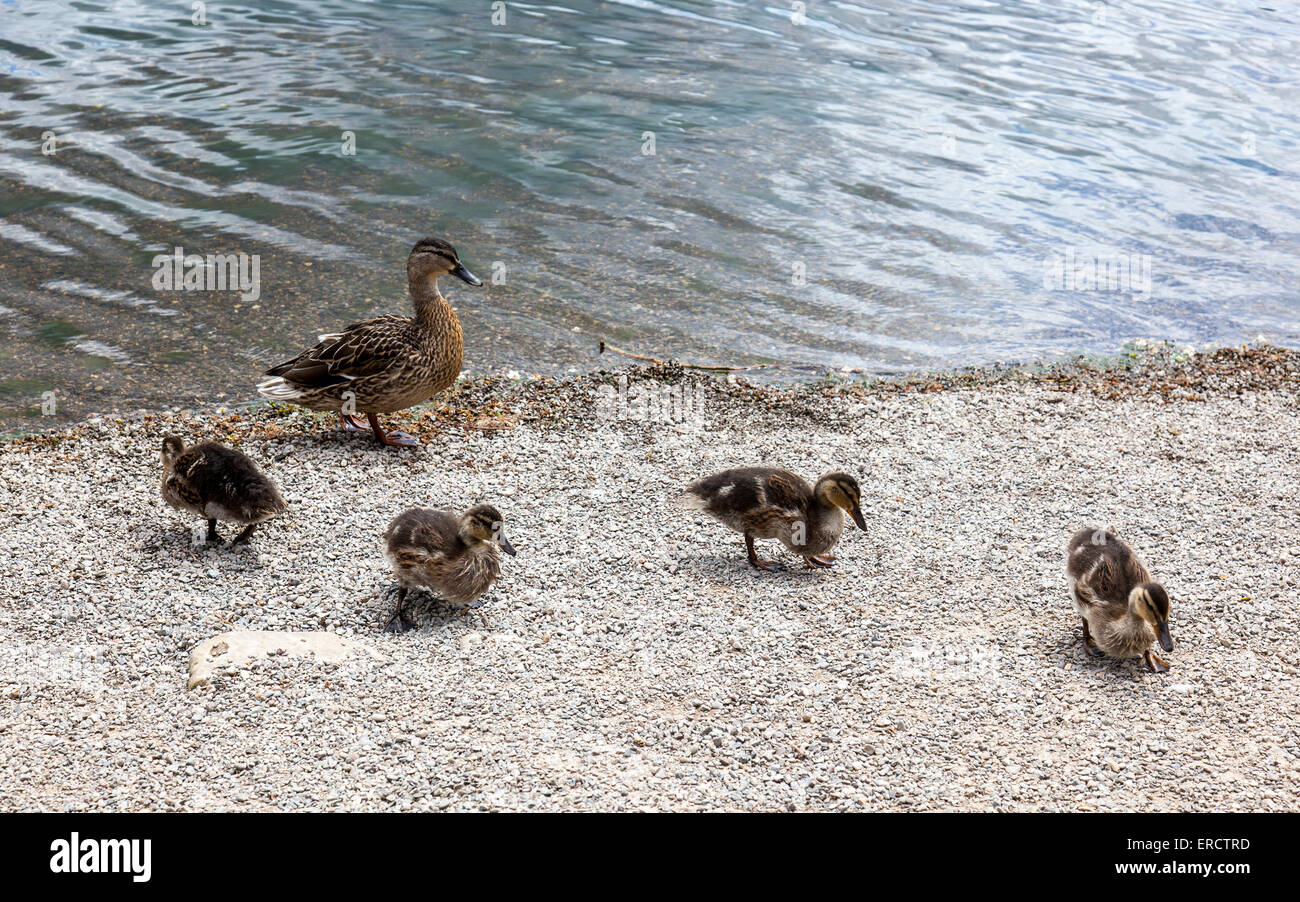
(243, 537)
(213, 536)
(1154, 662)
(1088, 645)
(394, 438)
(819, 561)
(399, 623)
(769, 566)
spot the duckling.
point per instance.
(770, 503)
(384, 364)
(1124, 613)
(218, 483)
(435, 549)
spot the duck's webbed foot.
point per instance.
(768, 566)
(393, 438)
(243, 537)
(397, 439)
(399, 622)
(1154, 662)
(819, 561)
(352, 423)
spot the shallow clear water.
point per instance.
(920, 164)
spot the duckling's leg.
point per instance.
(242, 538)
(1088, 645)
(769, 566)
(819, 561)
(213, 535)
(1155, 662)
(395, 438)
(398, 622)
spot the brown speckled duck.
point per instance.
(456, 557)
(1124, 613)
(770, 503)
(218, 483)
(387, 363)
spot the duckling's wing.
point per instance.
(229, 479)
(180, 485)
(362, 349)
(788, 491)
(1103, 583)
(760, 500)
(425, 532)
(1134, 570)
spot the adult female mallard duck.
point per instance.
(455, 556)
(769, 503)
(1124, 613)
(218, 483)
(387, 363)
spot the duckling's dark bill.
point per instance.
(465, 275)
(506, 546)
(859, 519)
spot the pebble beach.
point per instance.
(629, 659)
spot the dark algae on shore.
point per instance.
(495, 403)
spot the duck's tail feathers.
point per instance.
(277, 389)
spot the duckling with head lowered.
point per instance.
(1124, 612)
(771, 503)
(384, 364)
(218, 483)
(454, 556)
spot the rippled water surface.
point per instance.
(881, 185)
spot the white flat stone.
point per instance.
(243, 646)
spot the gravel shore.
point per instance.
(629, 659)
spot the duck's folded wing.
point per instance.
(784, 504)
(771, 520)
(1084, 595)
(437, 529)
(362, 349)
(1101, 584)
(422, 531)
(786, 490)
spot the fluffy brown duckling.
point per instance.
(384, 364)
(770, 503)
(218, 483)
(456, 557)
(1124, 612)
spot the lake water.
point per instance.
(885, 186)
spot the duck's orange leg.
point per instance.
(769, 566)
(352, 423)
(394, 438)
(1154, 662)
